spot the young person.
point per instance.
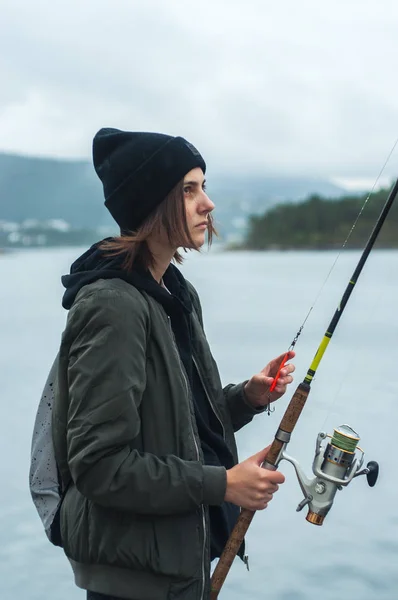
(143, 431)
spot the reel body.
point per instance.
(335, 465)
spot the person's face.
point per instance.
(197, 205)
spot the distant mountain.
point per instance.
(42, 189)
(238, 197)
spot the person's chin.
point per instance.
(199, 239)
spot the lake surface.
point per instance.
(253, 304)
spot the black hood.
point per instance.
(94, 265)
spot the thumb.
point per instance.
(260, 457)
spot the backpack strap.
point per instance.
(46, 486)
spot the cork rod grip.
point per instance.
(236, 538)
(295, 406)
(230, 551)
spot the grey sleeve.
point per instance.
(241, 411)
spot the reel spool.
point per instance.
(335, 465)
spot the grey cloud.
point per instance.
(273, 87)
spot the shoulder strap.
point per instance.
(46, 487)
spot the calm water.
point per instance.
(253, 305)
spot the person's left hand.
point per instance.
(257, 388)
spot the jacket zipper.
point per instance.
(246, 556)
(208, 397)
(197, 453)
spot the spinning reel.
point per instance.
(335, 465)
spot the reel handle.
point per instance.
(373, 472)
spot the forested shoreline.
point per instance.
(320, 224)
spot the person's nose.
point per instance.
(207, 205)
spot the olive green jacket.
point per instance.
(134, 520)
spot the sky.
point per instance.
(294, 87)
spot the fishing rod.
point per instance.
(335, 464)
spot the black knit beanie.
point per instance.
(139, 169)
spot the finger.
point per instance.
(268, 486)
(275, 364)
(282, 384)
(281, 357)
(273, 488)
(284, 381)
(262, 379)
(267, 498)
(287, 369)
(261, 502)
(262, 496)
(275, 477)
(260, 457)
(282, 370)
(261, 383)
(289, 355)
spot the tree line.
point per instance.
(320, 223)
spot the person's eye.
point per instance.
(187, 189)
(204, 187)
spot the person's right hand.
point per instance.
(249, 485)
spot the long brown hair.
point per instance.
(169, 217)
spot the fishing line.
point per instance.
(345, 442)
(293, 343)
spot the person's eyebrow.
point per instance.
(194, 182)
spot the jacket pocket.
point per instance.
(74, 525)
(179, 549)
(164, 545)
